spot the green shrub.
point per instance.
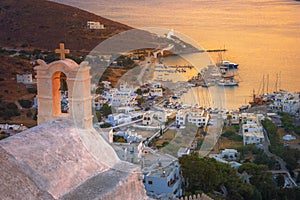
(105, 125)
(8, 110)
(231, 135)
(32, 90)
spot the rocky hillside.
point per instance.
(43, 24)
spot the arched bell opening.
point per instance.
(60, 93)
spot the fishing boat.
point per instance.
(227, 75)
(228, 65)
(228, 82)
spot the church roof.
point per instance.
(56, 160)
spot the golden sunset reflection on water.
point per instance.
(263, 36)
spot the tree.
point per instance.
(106, 109)
(229, 118)
(140, 101)
(261, 179)
(280, 180)
(139, 91)
(298, 178)
(105, 125)
(208, 175)
(99, 117)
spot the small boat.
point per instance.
(207, 84)
(175, 97)
(244, 107)
(227, 82)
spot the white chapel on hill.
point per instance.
(64, 157)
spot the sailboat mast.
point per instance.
(276, 82)
(267, 83)
(263, 85)
(279, 87)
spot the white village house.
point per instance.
(252, 130)
(181, 117)
(130, 151)
(157, 117)
(156, 92)
(162, 177)
(120, 97)
(288, 102)
(229, 154)
(197, 116)
(106, 84)
(252, 134)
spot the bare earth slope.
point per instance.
(43, 24)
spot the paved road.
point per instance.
(18, 105)
(213, 133)
(158, 132)
(146, 65)
(266, 145)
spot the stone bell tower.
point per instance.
(79, 90)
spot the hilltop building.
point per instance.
(95, 25)
(24, 78)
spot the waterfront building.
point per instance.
(249, 118)
(232, 118)
(291, 106)
(288, 102)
